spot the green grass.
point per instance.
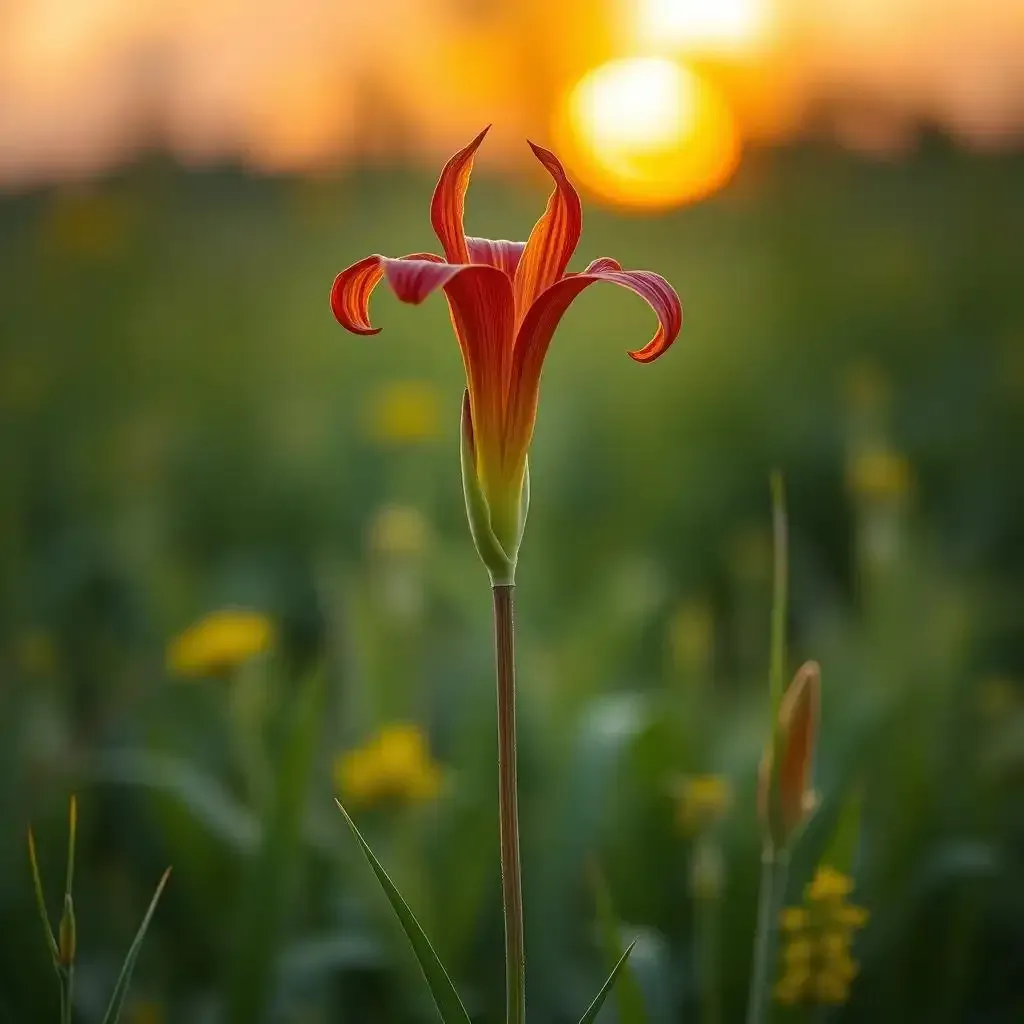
(183, 425)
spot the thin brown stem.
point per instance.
(508, 803)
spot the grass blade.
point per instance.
(113, 1013)
(629, 998)
(595, 1007)
(37, 882)
(446, 998)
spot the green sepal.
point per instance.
(501, 567)
(595, 1007)
(524, 505)
(446, 998)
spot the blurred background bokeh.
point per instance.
(235, 575)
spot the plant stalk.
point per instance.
(774, 870)
(508, 804)
(67, 988)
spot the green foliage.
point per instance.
(271, 876)
(124, 979)
(629, 998)
(183, 427)
(63, 950)
(595, 1007)
(447, 1000)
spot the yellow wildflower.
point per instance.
(848, 916)
(702, 800)
(816, 960)
(691, 635)
(794, 918)
(394, 766)
(798, 952)
(398, 531)
(404, 412)
(829, 884)
(831, 989)
(793, 985)
(879, 473)
(219, 642)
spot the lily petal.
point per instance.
(449, 202)
(497, 252)
(538, 326)
(553, 239)
(352, 288)
(480, 301)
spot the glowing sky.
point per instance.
(294, 84)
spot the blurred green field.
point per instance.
(185, 428)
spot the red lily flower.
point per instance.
(506, 299)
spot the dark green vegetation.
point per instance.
(183, 426)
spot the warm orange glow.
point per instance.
(711, 26)
(320, 84)
(648, 132)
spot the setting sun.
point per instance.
(703, 25)
(648, 132)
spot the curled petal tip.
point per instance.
(647, 354)
(350, 295)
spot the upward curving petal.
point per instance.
(538, 326)
(553, 239)
(352, 288)
(449, 201)
(497, 252)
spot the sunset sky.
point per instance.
(311, 84)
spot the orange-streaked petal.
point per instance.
(352, 288)
(553, 239)
(480, 301)
(657, 292)
(449, 201)
(496, 252)
(535, 332)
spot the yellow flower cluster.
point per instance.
(702, 800)
(817, 965)
(219, 642)
(394, 766)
